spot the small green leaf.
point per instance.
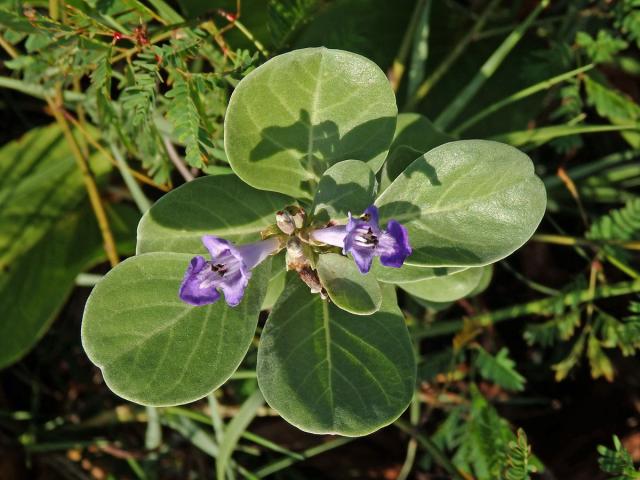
(303, 111)
(347, 287)
(155, 349)
(499, 369)
(327, 371)
(348, 186)
(466, 203)
(214, 205)
(448, 288)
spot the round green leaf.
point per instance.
(348, 186)
(220, 205)
(305, 110)
(349, 289)
(327, 371)
(415, 135)
(410, 273)
(155, 349)
(485, 280)
(448, 288)
(466, 203)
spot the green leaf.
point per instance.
(348, 186)
(499, 369)
(39, 184)
(410, 273)
(215, 205)
(466, 203)
(275, 287)
(155, 349)
(414, 136)
(485, 281)
(327, 371)
(518, 465)
(349, 289)
(303, 111)
(617, 461)
(448, 288)
(47, 272)
(235, 429)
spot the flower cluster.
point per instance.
(229, 269)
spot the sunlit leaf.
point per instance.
(303, 111)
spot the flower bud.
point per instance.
(285, 222)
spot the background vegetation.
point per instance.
(108, 104)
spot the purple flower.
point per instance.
(229, 270)
(363, 238)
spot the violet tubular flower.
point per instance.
(228, 271)
(364, 239)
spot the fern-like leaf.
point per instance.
(617, 461)
(499, 369)
(183, 114)
(518, 464)
(620, 225)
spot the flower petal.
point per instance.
(363, 258)
(254, 253)
(394, 245)
(233, 287)
(216, 245)
(197, 287)
(331, 235)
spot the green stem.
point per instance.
(583, 171)
(310, 452)
(414, 418)
(251, 38)
(398, 67)
(526, 92)
(544, 306)
(38, 91)
(539, 136)
(54, 9)
(569, 240)
(487, 70)
(446, 64)
(142, 202)
(433, 450)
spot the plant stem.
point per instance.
(142, 202)
(544, 306)
(433, 450)
(37, 91)
(94, 143)
(13, 53)
(583, 171)
(486, 71)
(446, 64)
(175, 158)
(310, 452)
(398, 67)
(251, 38)
(89, 181)
(568, 240)
(526, 92)
(414, 418)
